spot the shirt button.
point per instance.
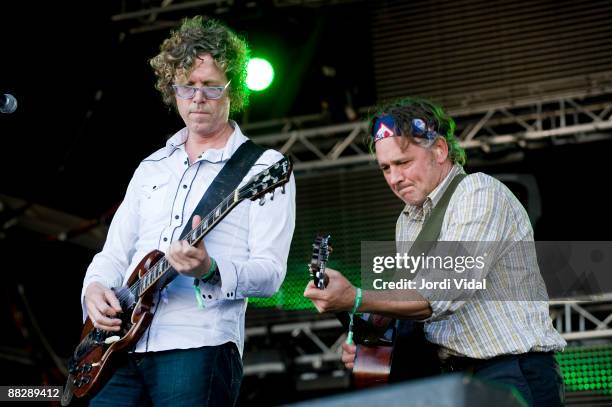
(184, 186)
(165, 239)
(176, 216)
(185, 162)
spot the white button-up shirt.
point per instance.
(250, 245)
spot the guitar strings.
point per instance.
(134, 289)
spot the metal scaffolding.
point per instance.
(585, 319)
(484, 126)
(143, 16)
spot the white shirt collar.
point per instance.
(235, 140)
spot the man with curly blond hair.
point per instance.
(191, 352)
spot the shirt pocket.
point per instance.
(154, 193)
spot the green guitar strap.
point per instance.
(433, 225)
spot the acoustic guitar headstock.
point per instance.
(320, 254)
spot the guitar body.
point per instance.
(375, 340)
(372, 365)
(97, 354)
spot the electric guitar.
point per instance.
(95, 357)
(373, 334)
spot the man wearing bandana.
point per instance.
(510, 342)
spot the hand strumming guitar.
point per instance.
(102, 305)
(338, 295)
(187, 260)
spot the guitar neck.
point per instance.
(162, 273)
(370, 330)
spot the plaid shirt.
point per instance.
(482, 209)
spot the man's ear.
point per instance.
(440, 148)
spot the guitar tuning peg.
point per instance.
(283, 189)
(272, 195)
(262, 200)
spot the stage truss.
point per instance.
(490, 130)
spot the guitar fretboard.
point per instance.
(162, 272)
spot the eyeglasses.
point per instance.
(209, 92)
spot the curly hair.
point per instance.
(197, 36)
(405, 109)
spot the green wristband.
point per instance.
(211, 271)
(358, 297)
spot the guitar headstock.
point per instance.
(320, 254)
(272, 177)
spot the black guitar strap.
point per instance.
(228, 179)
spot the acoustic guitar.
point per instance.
(98, 352)
(373, 334)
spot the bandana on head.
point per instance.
(384, 127)
(418, 128)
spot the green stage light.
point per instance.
(259, 74)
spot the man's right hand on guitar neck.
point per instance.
(102, 305)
